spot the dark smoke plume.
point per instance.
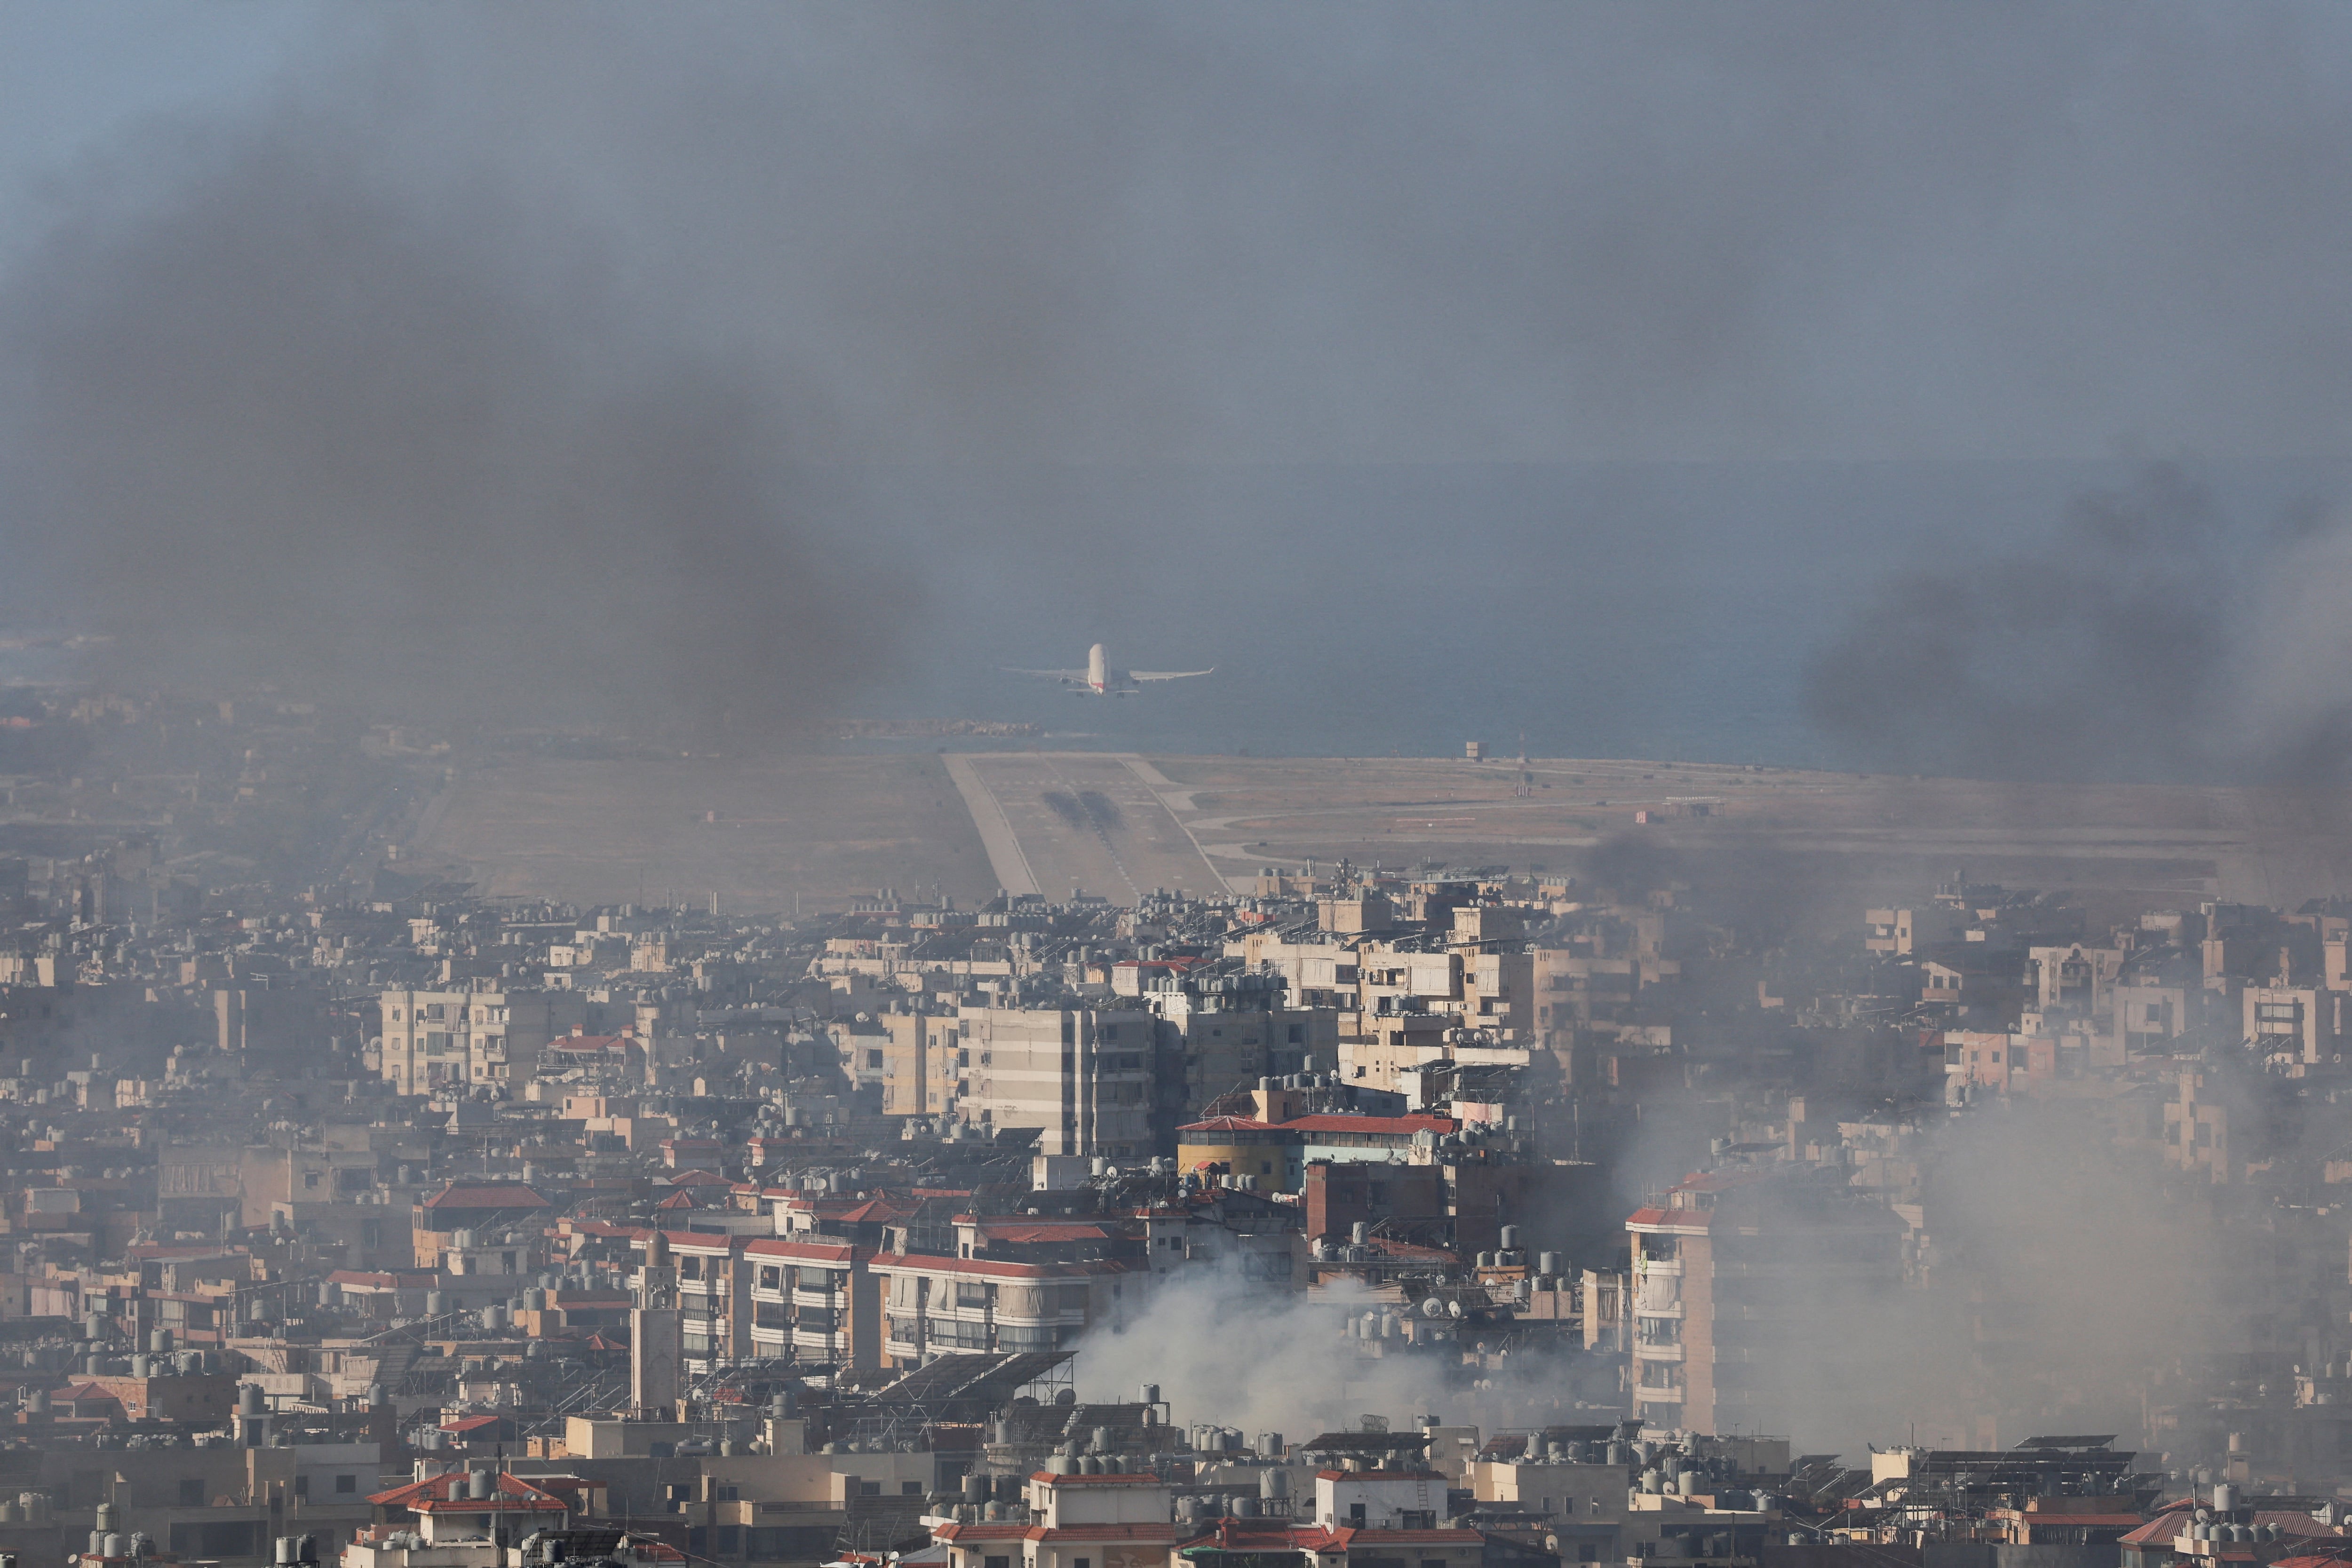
(471, 362)
(2149, 636)
(314, 424)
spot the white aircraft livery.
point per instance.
(1099, 680)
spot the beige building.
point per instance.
(2299, 1022)
(468, 1038)
(917, 1062)
(1903, 931)
(2074, 976)
(1081, 1077)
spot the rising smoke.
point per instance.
(2149, 636)
(310, 424)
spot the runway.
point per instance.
(1091, 821)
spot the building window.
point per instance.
(912, 1489)
(191, 1492)
(347, 1483)
(301, 1485)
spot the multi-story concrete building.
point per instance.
(436, 1038)
(916, 1065)
(1082, 1078)
(2300, 1024)
(935, 1305)
(1725, 1272)
(765, 1298)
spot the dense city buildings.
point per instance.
(1555, 1216)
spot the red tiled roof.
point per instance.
(1014, 1231)
(923, 1262)
(801, 1251)
(1401, 1127)
(1242, 1535)
(702, 1240)
(2163, 1526)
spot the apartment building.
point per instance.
(1081, 1078)
(2300, 1024)
(434, 1038)
(1725, 1270)
(913, 1063)
(934, 1305)
(766, 1298)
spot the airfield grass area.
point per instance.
(760, 832)
(825, 829)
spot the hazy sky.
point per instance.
(1291, 233)
(298, 306)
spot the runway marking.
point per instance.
(1102, 834)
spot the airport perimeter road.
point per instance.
(1005, 856)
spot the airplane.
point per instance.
(1099, 680)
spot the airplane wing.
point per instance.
(1168, 674)
(1049, 675)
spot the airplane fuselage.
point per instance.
(1099, 680)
